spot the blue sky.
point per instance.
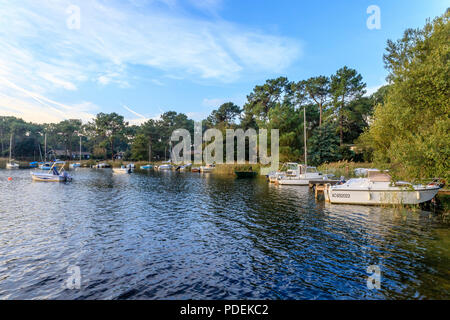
(144, 57)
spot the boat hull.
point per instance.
(380, 197)
(121, 170)
(293, 182)
(47, 178)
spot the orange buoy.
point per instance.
(9, 179)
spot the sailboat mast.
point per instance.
(80, 149)
(304, 125)
(45, 147)
(149, 152)
(10, 148)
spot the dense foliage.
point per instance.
(411, 125)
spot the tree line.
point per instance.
(337, 113)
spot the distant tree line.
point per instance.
(337, 113)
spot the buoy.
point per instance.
(9, 179)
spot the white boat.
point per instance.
(123, 169)
(208, 168)
(165, 167)
(55, 174)
(273, 176)
(12, 165)
(75, 165)
(147, 167)
(100, 165)
(377, 189)
(299, 175)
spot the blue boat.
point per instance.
(34, 164)
(147, 167)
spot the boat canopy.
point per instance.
(378, 176)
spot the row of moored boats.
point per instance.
(374, 188)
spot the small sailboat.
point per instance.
(55, 174)
(11, 164)
(77, 165)
(165, 167)
(377, 189)
(124, 169)
(208, 168)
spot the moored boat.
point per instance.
(55, 174)
(34, 164)
(298, 175)
(208, 168)
(377, 189)
(165, 167)
(124, 169)
(147, 167)
(12, 165)
(75, 165)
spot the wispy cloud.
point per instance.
(42, 55)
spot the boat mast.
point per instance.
(149, 152)
(45, 147)
(80, 149)
(10, 147)
(306, 151)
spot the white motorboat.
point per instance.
(299, 175)
(55, 174)
(124, 169)
(165, 167)
(377, 189)
(208, 168)
(12, 165)
(273, 176)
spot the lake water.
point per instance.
(167, 235)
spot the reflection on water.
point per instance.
(168, 235)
